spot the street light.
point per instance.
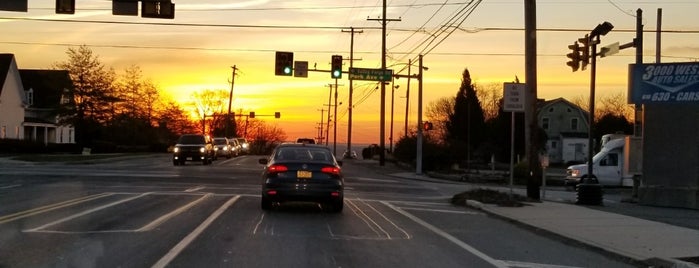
(407, 90)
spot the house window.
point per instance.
(545, 123)
(30, 96)
(574, 124)
(551, 110)
(569, 110)
(554, 144)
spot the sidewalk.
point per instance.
(642, 240)
(645, 241)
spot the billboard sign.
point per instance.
(664, 83)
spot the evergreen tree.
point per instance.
(465, 128)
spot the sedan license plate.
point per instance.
(303, 174)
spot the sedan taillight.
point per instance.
(277, 168)
(331, 170)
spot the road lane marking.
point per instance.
(172, 254)
(194, 189)
(39, 210)
(520, 264)
(10, 186)
(445, 211)
(367, 220)
(86, 212)
(449, 237)
(157, 222)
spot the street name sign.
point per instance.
(370, 74)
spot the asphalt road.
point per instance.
(144, 212)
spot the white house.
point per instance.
(29, 101)
(12, 104)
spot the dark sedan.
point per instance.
(302, 172)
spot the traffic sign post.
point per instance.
(514, 100)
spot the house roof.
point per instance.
(583, 113)
(48, 86)
(5, 62)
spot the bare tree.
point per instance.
(489, 95)
(209, 104)
(439, 112)
(616, 105)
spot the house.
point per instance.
(45, 92)
(566, 126)
(12, 104)
(29, 101)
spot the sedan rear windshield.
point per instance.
(307, 154)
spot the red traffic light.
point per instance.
(427, 125)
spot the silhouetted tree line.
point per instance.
(463, 135)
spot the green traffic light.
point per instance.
(287, 70)
(337, 73)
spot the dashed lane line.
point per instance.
(85, 213)
(43, 209)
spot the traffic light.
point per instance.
(277, 114)
(252, 115)
(574, 56)
(283, 63)
(427, 125)
(336, 69)
(585, 58)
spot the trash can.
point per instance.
(589, 192)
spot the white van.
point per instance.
(608, 165)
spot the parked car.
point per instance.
(222, 147)
(193, 147)
(302, 172)
(245, 147)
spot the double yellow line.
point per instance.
(43, 209)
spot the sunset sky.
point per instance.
(196, 50)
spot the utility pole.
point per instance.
(407, 100)
(327, 128)
(320, 131)
(230, 101)
(351, 89)
(382, 142)
(335, 122)
(531, 84)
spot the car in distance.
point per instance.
(244, 145)
(193, 147)
(306, 140)
(222, 148)
(235, 147)
(305, 173)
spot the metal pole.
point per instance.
(390, 136)
(335, 122)
(327, 128)
(591, 114)
(407, 99)
(512, 151)
(418, 160)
